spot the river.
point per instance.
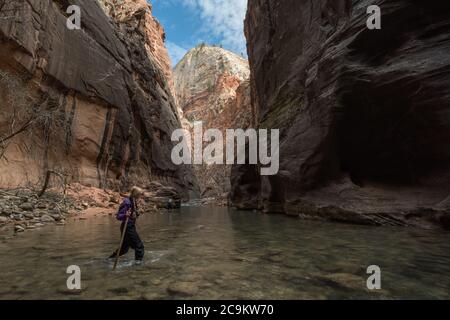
(220, 253)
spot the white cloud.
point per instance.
(224, 20)
(176, 52)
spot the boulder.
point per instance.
(27, 206)
(184, 289)
(6, 212)
(47, 218)
(19, 228)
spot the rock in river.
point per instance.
(186, 289)
(27, 206)
(19, 228)
(47, 218)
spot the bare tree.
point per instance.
(49, 173)
(14, 102)
(38, 115)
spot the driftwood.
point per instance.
(47, 181)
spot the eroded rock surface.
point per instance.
(364, 114)
(99, 98)
(138, 14)
(212, 85)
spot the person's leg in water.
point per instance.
(136, 243)
(125, 245)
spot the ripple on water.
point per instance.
(216, 253)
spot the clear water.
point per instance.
(219, 253)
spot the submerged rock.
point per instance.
(186, 289)
(19, 228)
(345, 280)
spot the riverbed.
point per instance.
(222, 253)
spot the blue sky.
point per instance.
(190, 22)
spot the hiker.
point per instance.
(170, 205)
(128, 208)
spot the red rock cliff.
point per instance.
(212, 86)
(138, 13)
(98, 100)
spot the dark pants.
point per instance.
(132, 240)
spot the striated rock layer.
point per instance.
(138, 15)
(98, 100)
(212, 85)
(364, 114)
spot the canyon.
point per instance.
(363, 115)
(212, 86)
(359, 119)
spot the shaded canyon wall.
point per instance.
(364, 114)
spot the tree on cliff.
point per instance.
(41, 117)
(22, 113)
(11, 95)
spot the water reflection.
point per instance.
(217, 253)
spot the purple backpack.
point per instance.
(123, 209)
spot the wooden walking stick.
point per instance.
(121, 242)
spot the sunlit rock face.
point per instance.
(364, 114)
(138, 14)
(212, 85)
(99, 98)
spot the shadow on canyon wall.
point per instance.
(364, 114)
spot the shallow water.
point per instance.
(219, 253)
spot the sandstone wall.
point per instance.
(101, 96)
(212, 85)
(364, 114)
(138, 14)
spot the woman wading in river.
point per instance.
(128, 212)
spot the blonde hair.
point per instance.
(136, 192)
